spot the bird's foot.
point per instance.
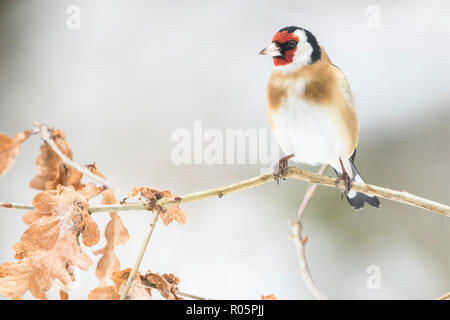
(347, 181)
(281, 168)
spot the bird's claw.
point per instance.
(281, 168)
(347, 181)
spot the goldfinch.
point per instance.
(311, 111)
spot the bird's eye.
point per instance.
(290, 45)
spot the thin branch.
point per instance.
(140, 256)
(135, 206)
(178, 292)
(18, 206)
(398, 196)
(295, 173)
(300, 240)
(46, 137)
(309, 193)
(314, 178)
(444, 297)
(191, 197)
(188, 295)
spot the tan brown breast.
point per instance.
(324, 85)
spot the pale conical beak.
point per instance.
(272, 50)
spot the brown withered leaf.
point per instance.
(120, 278)
(93, 168)
(173, 213)
(67, 204)
(50, 167)
(62, 289)
(115, 233)
(15, 278)
(45, 204)
(137, 290)
(167, 215)
(166, 284)
(9, 148)
(49, 248)
(268, 297)
(63, 295)
(90, 190)
(104, 293)
(48, 204)
(150, 193)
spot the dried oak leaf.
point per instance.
(104, 293)
(61, 288)
(48, 204)
(115, 234)
(91, 190)
(150, 193)
(9, 148)
(268, 297)
(15, 278)
(137, 289)
(49, 248)
(63, 295)
(93, 168)
(167, 215)
(173, 213)
(166, 284)
(51, 169)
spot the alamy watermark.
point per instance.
(73, 21)
(373, 21)
(230, 146)
(373, 282)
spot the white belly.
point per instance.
(313, 133)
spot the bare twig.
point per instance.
(190, 296)
(178, 292)
(135, 206)
(398, 196)
(295, 173)
(444, 297)
(46, 137)
(140, 256)
(19, 206)
(309, 193)
(301, 240)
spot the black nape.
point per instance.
(290, 29)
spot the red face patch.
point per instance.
(288, 55)
(284, 36)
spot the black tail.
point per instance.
(358, 199)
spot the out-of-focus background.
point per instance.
(137, 71)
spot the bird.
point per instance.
(311, 110)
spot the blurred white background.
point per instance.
(138, 70)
